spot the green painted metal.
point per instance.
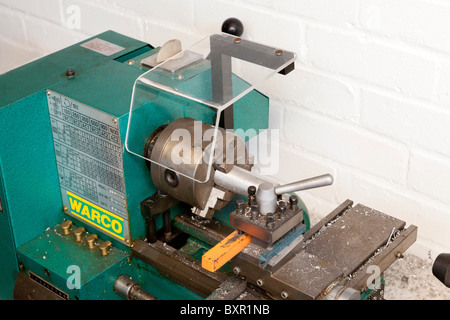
(41, 73)
(9, 266)
(29, 185)
(28, 167)
(54, 258)
(30, 192)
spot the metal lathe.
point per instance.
(126, 173)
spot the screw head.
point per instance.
(65, 226)
(284, 295)
(236, 270)
(260, 282)
(278, 52)
(70, 73)
(237, 40)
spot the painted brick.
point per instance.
(346, 144)
(49, 37)
(443, 91)
(429, 174)
(414, 21)
(96, 19)
(361, 57)
(13, 55)
(322, 94)
(343, 12)
(11, 24)
(173, 12)
(49, 10)
(411, 123)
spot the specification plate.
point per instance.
(88, 153)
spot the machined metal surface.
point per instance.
(180, 168)
(334, 251)
(258, 227)
(187, 190)
(230, 289)
(340, 247)
(178, 267)
(237, 180)
(131, 290)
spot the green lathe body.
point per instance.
(62, 136)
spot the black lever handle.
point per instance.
(233, 26)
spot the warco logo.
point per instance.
(93, 214)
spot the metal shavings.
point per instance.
(392, 237)
(305, 244)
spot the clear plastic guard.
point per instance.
(199, 82)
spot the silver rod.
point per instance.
(237, 180)
(311, 183)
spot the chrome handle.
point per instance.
(310, 183)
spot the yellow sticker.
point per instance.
(96, 216)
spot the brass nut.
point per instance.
(65, 226)
(104, 247)
(78, 233)
(91, 240)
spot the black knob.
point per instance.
(233, 26)
(441, 268)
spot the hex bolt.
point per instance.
(240, 206)
(70, 73)
(254, 211)
(282, 208)
(293, 201)
(270, 220)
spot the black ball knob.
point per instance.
(233, 26)
(441, 268)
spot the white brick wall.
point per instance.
(368, 102)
